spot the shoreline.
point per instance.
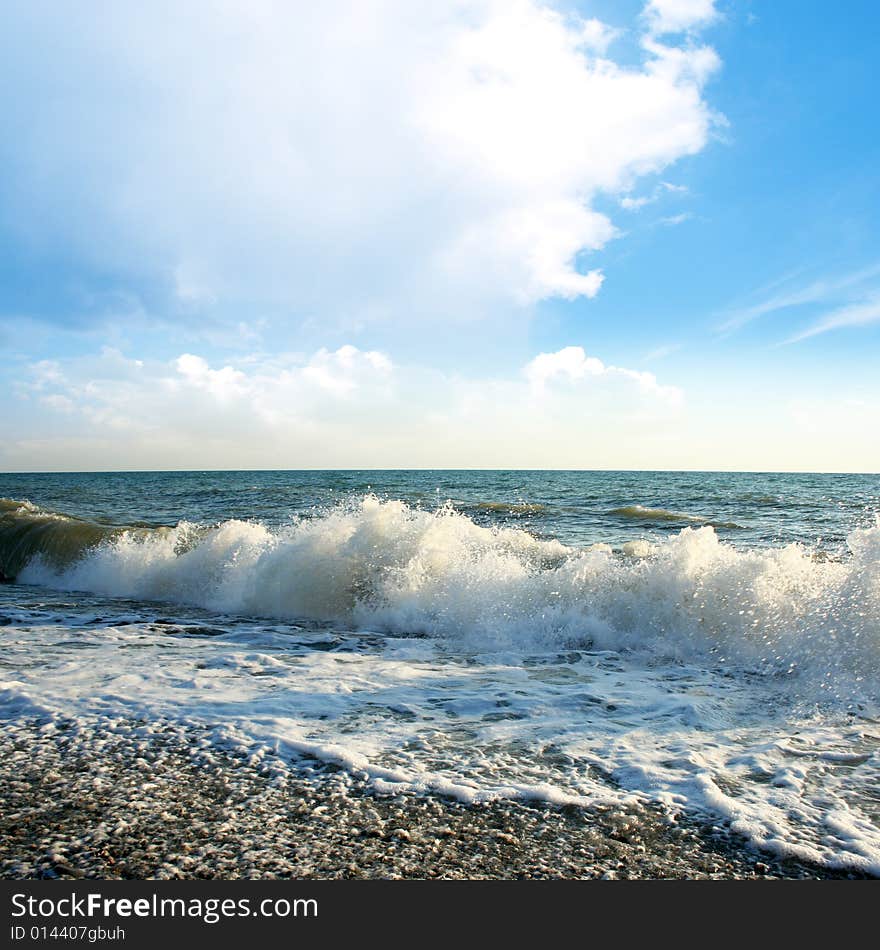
(164, 801)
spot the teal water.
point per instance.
(574, 507)
(708, 643)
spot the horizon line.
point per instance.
(184, 471)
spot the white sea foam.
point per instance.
(385, 566)
(539, 670)
(576, 727)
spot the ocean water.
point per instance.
(706, 642)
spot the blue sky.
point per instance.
(386, 234)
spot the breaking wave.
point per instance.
(383, 565)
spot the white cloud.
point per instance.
(339, 158)
(563, 409)
(854, 315)
(347, 407)
(225, 383)
(281, 392)
(636, 204)
(597, 36)
(676, 16)
(675, 219)
(818, 291)
(572, 364)
(662, 351)
(344, 371)
(664, 188)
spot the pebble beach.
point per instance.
(127, 800)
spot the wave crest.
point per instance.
(641, 513)
(384, 565)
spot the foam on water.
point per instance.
(740, 685)
(387, 566)
(579, 727)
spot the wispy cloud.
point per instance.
(635, 204)
(846, 291)
(629, 203)
(853, 315)
(661, 352)
(672, 220)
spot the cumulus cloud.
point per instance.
(676, 16)
(347, 407)
(572, 365)
(354, 408)
(571, 362)
(339, 158)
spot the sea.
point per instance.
(706, 644)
